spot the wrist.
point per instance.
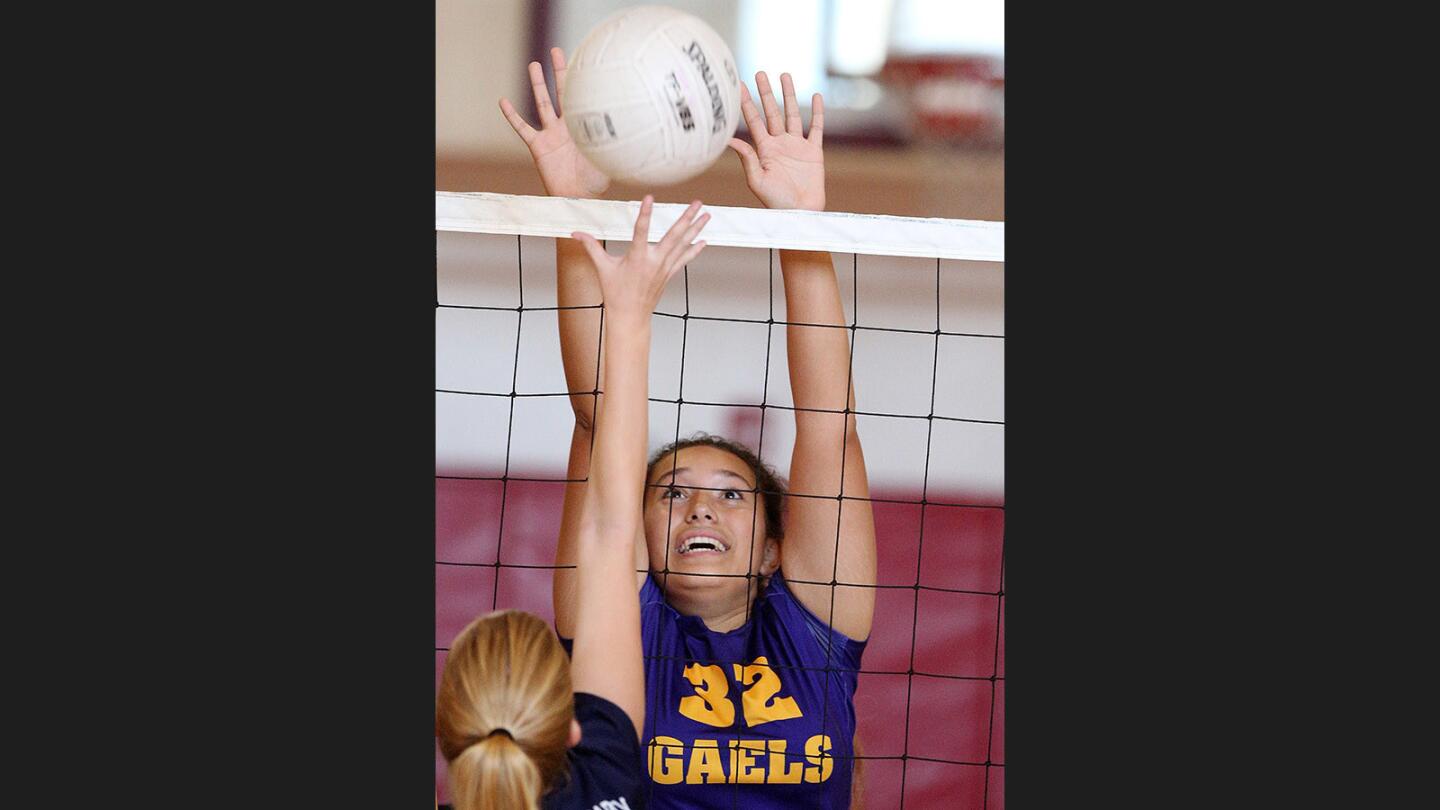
(799, 205)
(627, 319)
(570, 193)
(804, 269)
(573, 192)
(791, 258)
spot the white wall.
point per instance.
(726, 362)
(481, 49)
(481, 53)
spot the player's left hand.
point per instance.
(785, 168)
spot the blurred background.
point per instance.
(914, 95)
(914, 103)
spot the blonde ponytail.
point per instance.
(495, 772)
(503, 712)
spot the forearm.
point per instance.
(607, 658)
(617, 463)
(577, 286)
(571, 512)
(827, 538)
(819, 356)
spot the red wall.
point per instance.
(956, 634)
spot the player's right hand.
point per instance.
(563, 170)
(632, 284)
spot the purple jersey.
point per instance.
(748, 718)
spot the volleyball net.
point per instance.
(924, 309)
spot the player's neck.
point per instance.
(720, 613)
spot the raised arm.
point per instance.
(825, 538)
(605, 659)
(564, 172)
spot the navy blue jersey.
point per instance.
(606, 769)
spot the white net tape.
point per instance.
(868, 234)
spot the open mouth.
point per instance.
(700, 544)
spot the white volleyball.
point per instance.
(652, 95)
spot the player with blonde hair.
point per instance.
(521, 726)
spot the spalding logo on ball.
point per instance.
(651, 95)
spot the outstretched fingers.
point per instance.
(523, 129)
(671, 239)
(792, 106)
(695, 228)
(557, 61)
(593, 248)
(686, 227)
(686, 257)
(542, 94)
(751, 114)
(677, 244)
(690, 248)
(774, 120)
(642, 224)
(674, 249)
(817, 120)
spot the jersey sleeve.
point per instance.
(836, 647)
(607, 765)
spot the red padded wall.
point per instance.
(957, 632)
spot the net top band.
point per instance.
(837, 232)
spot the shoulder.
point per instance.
(784, 608)
(605, 716)
(607, 764)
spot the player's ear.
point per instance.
(770, 559)
(574, 734)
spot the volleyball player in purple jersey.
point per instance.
(753, 616)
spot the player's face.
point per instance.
(702, 515)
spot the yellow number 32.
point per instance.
(712, 706)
